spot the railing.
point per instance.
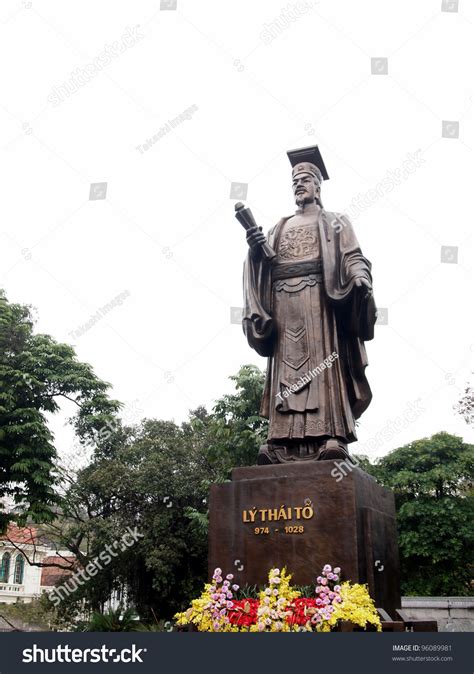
(8, 587)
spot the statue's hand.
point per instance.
(255, 239)
(364, 285)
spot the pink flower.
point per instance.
(330, 576)
(217, 572)
(235, 587)
(327, 568)
(229, 576)
(324, 581)
(337, 588)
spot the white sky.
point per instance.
(166, 231)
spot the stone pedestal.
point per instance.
(302, 516)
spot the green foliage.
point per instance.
(153, 480)
(156, 476)
(36, 372)
(117, 620)
(38, 613)
(237, 430)
(248, 592)
(363, 462)
(160, 626)
(432, 481)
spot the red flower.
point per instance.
(243, 612)
(301, 610)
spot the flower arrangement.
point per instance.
(280, 607)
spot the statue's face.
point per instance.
(305, 188)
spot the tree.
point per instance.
(36, 372)
(432, 481)
(237, 430)
(154, 479)
(156, 476)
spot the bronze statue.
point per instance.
(309, 308)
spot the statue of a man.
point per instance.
(309, 309)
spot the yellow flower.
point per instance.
(274, 607)
(357, 606)
(274, 601)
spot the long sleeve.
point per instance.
(344, 262)
(257, 322)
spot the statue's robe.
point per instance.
(298, 318)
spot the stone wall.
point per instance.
(453, 614)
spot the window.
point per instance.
(5, 568)
(19, 570)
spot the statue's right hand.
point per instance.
(255, 238)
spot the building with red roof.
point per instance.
(23, 554)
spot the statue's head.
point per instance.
(308, 172)
(306, 187)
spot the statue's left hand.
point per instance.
(364, 285)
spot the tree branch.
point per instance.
(41, 564)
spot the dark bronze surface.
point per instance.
(353, 527)
(307, 296)
(308, 308)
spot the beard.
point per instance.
(303, 200)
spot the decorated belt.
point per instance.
(293, 269)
